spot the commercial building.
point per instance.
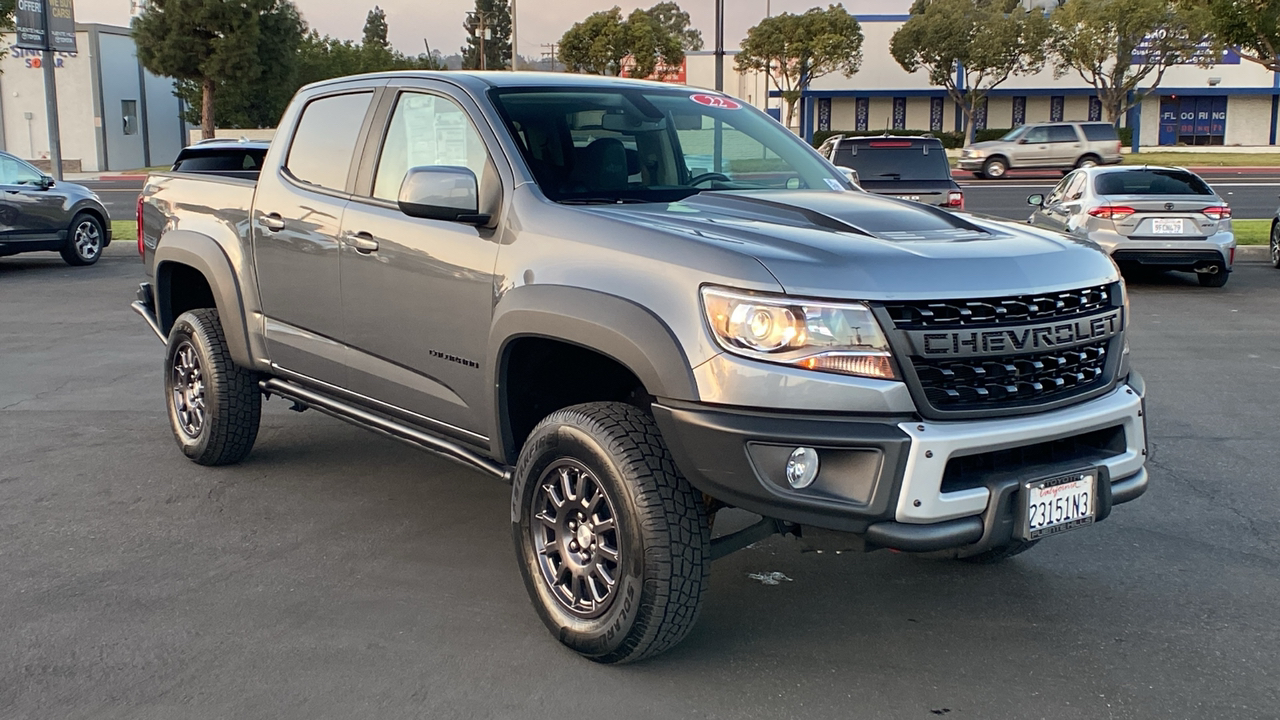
(112, 113)
(1233, 102)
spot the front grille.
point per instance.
(999, 311)
(1011, 380)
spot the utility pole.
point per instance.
(719, 45)
(515, 52)
(550, 53)
(51, 111)
(480, 28)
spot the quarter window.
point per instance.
(426, 130)
(325, 140)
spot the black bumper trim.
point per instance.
(926, 538)
(1130, 488)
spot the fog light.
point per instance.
(802, 467)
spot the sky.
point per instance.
(439, 22)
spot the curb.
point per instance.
(1253, 253)
(132, 176)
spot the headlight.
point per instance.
(974, 153)
(839, 338)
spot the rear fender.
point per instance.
(205, 255)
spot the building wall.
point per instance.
(1248, 120)
(22, 92)
(166, 131)
(120, 82)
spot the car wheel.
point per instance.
(1088, 161)
(1215, 280)
(1275, 244)
(613, 543)
(995, 168)
(84, 240)
(1000, 554)
(214, 404)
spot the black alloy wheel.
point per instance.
(576, 538)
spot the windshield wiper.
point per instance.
(895, 176)
(602, 201)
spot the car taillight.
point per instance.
(142, 249)
(955, 199)
(1218, 212)
(1112, 212)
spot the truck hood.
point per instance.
(864, 246)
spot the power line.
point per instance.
(550, 53)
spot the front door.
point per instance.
(418, 294)
(1032, 149)
(296, 220)
(28, 209)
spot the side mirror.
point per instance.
(46, 182)
(1036, 200)
(442, 192)
(851, 174)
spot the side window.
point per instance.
(325, 140)
(16, 172)
(1059, 191)
(1075, 189)
(426, 130)
(1063, 134)
(1037, 135)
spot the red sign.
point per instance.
(661, 73)
(715, 101)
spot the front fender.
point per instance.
(205, 255)
(608, 324)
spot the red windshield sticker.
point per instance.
(715, 101)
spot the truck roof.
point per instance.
(482, 80)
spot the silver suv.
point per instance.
(1049, 145)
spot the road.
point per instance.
(336, 574)
(1250, 197)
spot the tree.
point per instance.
(1250, 27)
(795, 50)
(375, 29)
(672, 20)
(990, 39)
(1119, 45)
(596, 45)
(496, 17)
(217, 43)
(321, 57)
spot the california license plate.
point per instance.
(1167, 227)
(1058, 504)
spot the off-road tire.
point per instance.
(79, 251)
(996, 168)
(229, 396)
(662, 532)
(1215, 280)
(1000, 554)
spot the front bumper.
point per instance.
(903, 483)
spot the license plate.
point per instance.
(1166, 227)
(1058, 504)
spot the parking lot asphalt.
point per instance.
(335, 574)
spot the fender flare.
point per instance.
(203, 254)
(610, 325)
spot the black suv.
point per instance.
(914, 167)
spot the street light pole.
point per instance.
(514, 47)
(719, 45)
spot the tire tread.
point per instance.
(236, 410)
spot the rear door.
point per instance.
(1065, 145)
(297, 217)
(418, 294)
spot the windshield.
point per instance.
(641, 145)
(1014, 134)
(895, 160)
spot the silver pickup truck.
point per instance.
(640, 304)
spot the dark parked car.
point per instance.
(911, 168)
(38, 214)
(228, 158)
(1275, 240)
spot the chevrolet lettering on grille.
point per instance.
(1025, 338)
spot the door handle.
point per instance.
(362, 242)
(273, 222)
